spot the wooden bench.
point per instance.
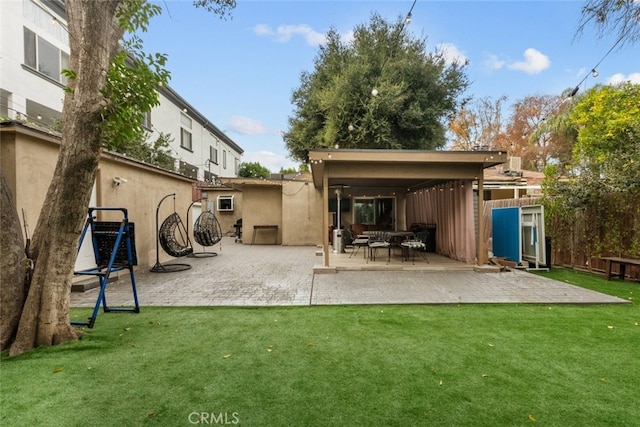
(622, 264)
(265, 227)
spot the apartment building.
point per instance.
(34, 48)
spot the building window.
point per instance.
(376, 210)
(185, 132)
(146, 121)
(185, 139)
(44, 57)
(363, 211)
(213, 155)
(5, 98)
(237, 166)
(225, 203)
(224, 159)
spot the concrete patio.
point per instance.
(270, 275)
(357, 260)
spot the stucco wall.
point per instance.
(262, 205)
(140, 195)
(301, 213)
(28, 161)
(294, 205)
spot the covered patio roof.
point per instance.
(399, 169)
(408, 169)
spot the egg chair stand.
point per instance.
(172, 236)
(206, 232)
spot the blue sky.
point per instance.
(240, 72)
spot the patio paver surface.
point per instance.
(269, 275)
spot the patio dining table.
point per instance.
(392, 234)
(395, 238)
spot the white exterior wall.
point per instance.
(16, 81)
(233, 161)
(18, 84)
(166, 119)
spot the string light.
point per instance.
(594, 71)
(407, 21)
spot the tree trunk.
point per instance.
(94, 35)
(12, 266)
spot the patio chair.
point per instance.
(378, 240)
(357, 242)
(415, 244)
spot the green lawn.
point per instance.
(476, 365)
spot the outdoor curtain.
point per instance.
(451, 208)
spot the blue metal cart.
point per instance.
(115, 250)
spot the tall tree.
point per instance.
(95, 30)
(253, 170)
(380, 90)
(523, 138)
(478, 125)
(613, 16)
(603, 183)
(13, 267)
(607, 151)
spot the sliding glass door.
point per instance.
(378, 211)
(363, 210)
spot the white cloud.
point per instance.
(620, 78)
(247, 126)
(534, 62)
(262, 30)
(493, 62)
(284, 33)
(451, 54)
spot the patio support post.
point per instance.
(481, 254)
(325, 216)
